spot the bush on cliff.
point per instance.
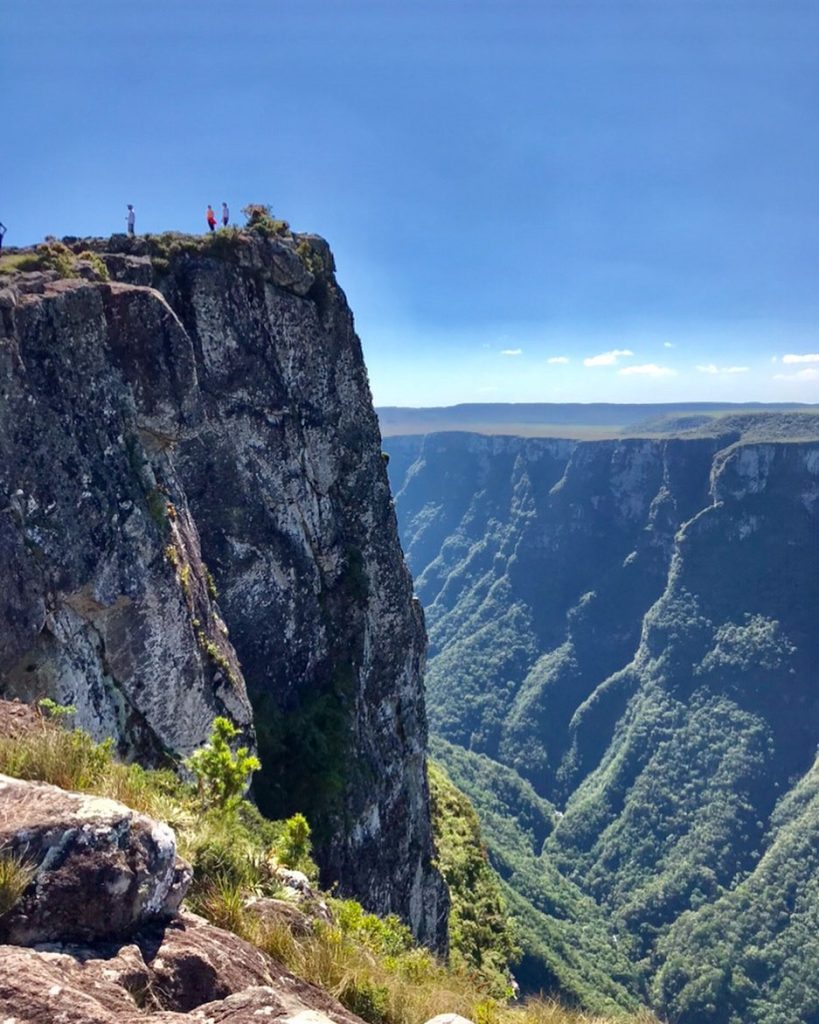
(222, 775)
(260, 219)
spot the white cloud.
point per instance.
(561, 360)
(668, 344)
(809, 373)
(647, 370)
(512, 352)
(607, 358)
(713, 368)
(810, 357)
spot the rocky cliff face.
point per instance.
(105, 602)
(202, 425)
(631, 625)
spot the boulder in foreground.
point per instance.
(101, 870)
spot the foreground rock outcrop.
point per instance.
(95, 936)
(123, 863)
(201, 424)
(187, 971)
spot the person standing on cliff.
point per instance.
(130, 219)
(211, 218)
(2, 232)
(225, 215)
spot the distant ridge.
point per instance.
(570, 419)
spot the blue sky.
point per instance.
(504, 184)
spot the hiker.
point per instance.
(211, 218)
(2, 232)
(130, 219)
(225, 215)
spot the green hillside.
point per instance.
(568, 947)
(623, 659)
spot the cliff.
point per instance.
(631, 626)
(184, 418)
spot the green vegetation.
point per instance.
(53, 256)
(97, 265)
(59, 712)
(371, 965)
(751, 955)
(304, 750)
(260, 219)
(631, 628)
(221, 774)
(311, 259)
(16, 875)
(568, 947)
(481, 937)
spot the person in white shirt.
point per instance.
(130, 219)
(225, 215)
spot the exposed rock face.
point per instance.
(229, 415)
(289, 489)
(104, 595)
(100, 869)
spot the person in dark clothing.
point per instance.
(130, 219)
(2, 232)
(225, 215)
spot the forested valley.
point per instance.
(623, 679)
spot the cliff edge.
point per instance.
(191, 481)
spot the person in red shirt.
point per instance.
(211, 216)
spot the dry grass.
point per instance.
(15, 875)
(369, 964)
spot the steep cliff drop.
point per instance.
(186, 395)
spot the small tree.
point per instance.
(220, 774)
(294, 849)
(260, 218)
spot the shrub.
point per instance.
(311, 259)
(221, 775)
(59, 712)
(56, 256)
(260, 219)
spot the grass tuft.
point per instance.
(16, 875)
